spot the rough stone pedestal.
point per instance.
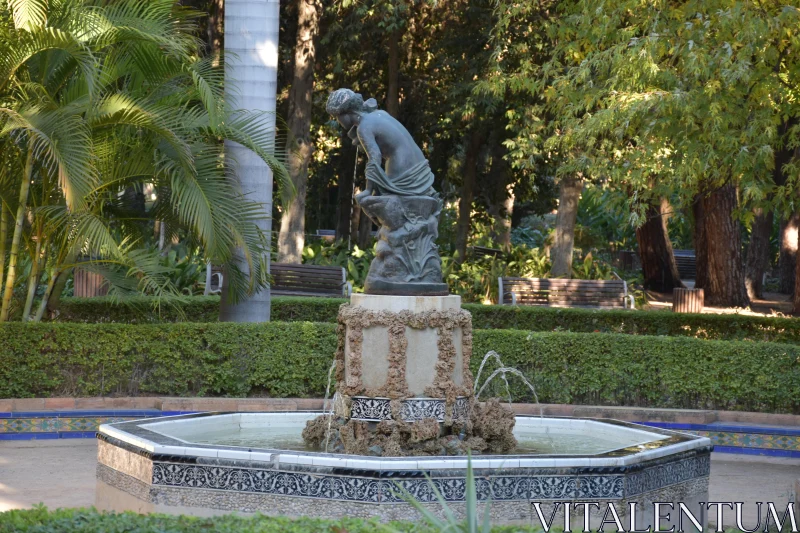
(414, 349)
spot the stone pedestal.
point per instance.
(411, 349)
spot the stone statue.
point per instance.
(399, 198)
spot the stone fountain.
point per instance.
(405, 414)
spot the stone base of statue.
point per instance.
(407, 258)
(403, 382)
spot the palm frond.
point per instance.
(23, 45)
(28, 14)
(62, 142)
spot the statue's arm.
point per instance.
(367, 137)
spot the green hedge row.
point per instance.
(141, 310)
(40, 520)
(284, 359)
(706, 326)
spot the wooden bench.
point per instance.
(687, 263)
(602, 294)
(483, 251)
(309, 280)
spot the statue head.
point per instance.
(343, 103)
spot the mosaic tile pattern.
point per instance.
(667, 474)
(56, 425)
(49, 425)
(413, 409)
(374, 490)
(751, 440)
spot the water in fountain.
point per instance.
(502, 371)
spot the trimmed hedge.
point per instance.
(284, 359)
(705, 326)
(140, 310)
(40, 520)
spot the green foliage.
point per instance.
(666, 372)
(217, 359)
(144, 310)
(355, 262)
(40, 520)
(701, 326)
(475, 280)
(697, 93)
(88, 118)
(292, 359)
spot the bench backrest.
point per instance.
(308, 280)
(686, 261)
(564, 292)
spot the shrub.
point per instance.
(40, 520)
(705, 326)
(141, 310)
(702, 326)
(292, 359)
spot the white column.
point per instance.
(251, 82)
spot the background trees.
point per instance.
(574, 128)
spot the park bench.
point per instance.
(483, 251)
(309, 280)
(686, 261)
(595, 293)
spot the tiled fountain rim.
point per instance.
(141, 439)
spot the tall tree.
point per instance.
(469, 173)
(292, 234)
(758, 252)
(787, 259)
(251, 71)
(721, 266)
(655, 250)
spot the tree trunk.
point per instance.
(251, 75)
(655, 251)
(758, 253)
(60, 279)
(723, 277)
(33, 278)
(500, 197)
(700, 248)
(293, 221)
(345, 209)
(788, 256)
(467, 194)
(216, 9)
(569, 193)
(393, 83)
(3, 239)
(51, 282)
(17, 238)
(501, 213)
(796, 297)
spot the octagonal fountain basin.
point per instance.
(256, 462)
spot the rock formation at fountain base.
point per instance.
(489, 430)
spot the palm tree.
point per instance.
(100, 98)
(251, 73)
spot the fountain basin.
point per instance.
(256, 462)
